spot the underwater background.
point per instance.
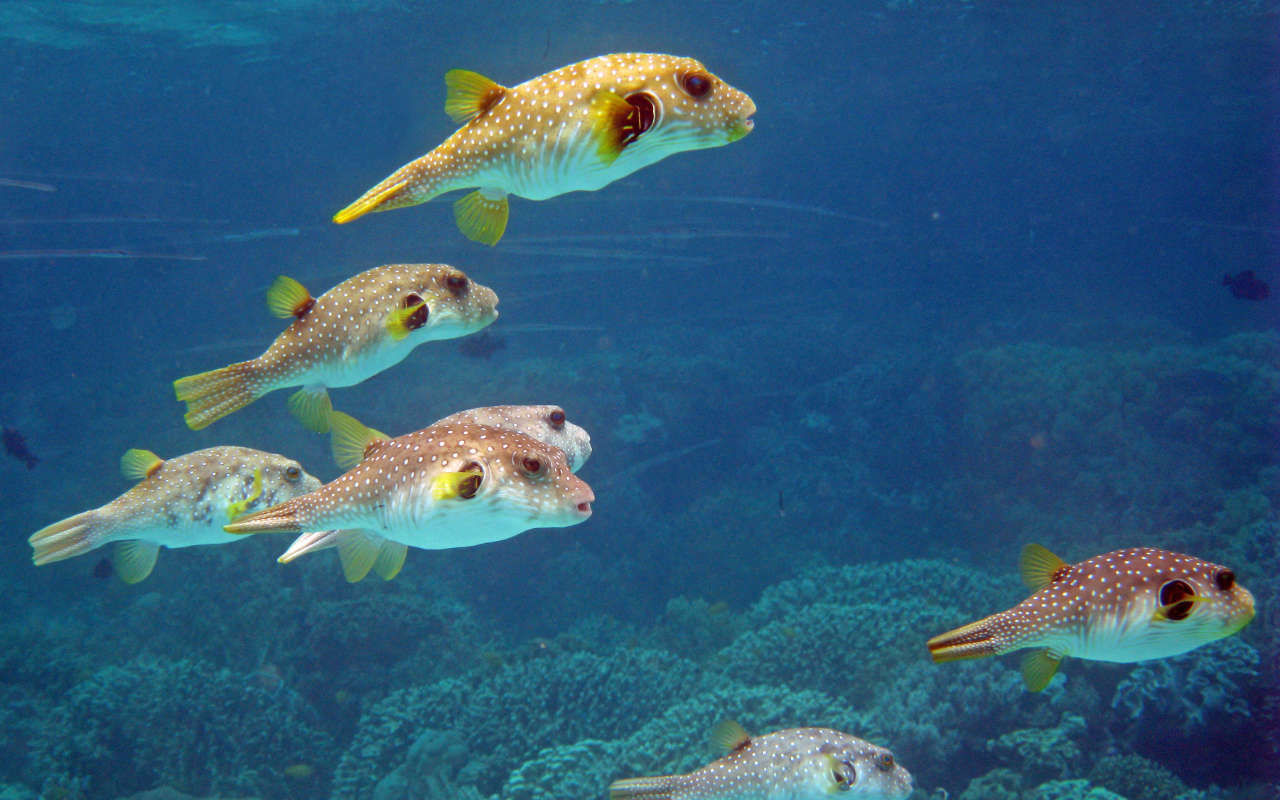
(960, 290)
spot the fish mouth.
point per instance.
(741, 128)
(583, 508)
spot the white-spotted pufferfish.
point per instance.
(360, 550)
(360, 327)
(1129, 605)
(579, 127)
(792, 764)
(178, 502)
(452, 485)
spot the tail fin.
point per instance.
(73, 536)
(975, 640)
(309, 543)
(210, 396)
(662, 787)
(393, 192)
(280, 518)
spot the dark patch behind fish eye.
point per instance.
(1172, 596)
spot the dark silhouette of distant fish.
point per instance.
(16, 446)
(1246, 286)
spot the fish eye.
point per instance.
(292, 473)
(557, 418)
(884, 762)
(1173, 598)
(531, 465)
(695, 84)
(456, 282)
(1224, 579)
(419, 317)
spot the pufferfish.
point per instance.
(580, 127)
(1129, 605)
(178, 502)
(453, 485)
(360, 327)
(360, 551)
(791, 764)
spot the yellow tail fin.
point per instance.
(210, 396)
(975, 640)
(282, 518)
(67, 538)
(662, 787)
(379, 198)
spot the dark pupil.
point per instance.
(557, 418)
(1171, 595)
(696, 85)
(640, 119)
(532, 464)
(456, 283)
(1225, 579)
(291, 473)
(419, 317)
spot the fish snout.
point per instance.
(582, 497)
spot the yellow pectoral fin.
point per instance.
(401, 322)
(1162, 612)
(288, 298)
(452, 485)
(138, 464)
(237, 508)
(470, 94)
(481, 218)
(609, 124)
(369, 202)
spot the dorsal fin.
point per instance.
(137, 464)
(1039, 566)
(351, 439)
(730, 736)
(288, 298)
(470, 94)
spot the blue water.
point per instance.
(958, 291)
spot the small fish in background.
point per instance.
(577, 128)
(452, 485)
(179, 502)
(360, 327)
(1246, 286)
(791, 764)
(15, 444)
(360, 551)
(1129, 605)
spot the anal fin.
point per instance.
(134, 559)
(1038, 668)
(482, 217)
(311, 406)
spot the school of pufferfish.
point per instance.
(488, 474)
